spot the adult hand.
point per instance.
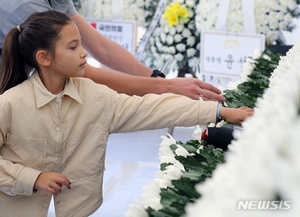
(236, 116)
(194, 88)
(51, 182)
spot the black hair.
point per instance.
(40, 31)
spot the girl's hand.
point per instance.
(236, 116)
(51, 182)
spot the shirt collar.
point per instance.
(43, 96)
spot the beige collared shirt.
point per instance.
(40, 132)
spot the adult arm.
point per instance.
(119, 59)
(134, 85)
(108, 52)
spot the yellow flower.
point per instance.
(172, 19)
(176, 13)
(182, 12)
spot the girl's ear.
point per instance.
(42, 57)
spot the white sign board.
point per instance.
(122, 32)
(224, 53)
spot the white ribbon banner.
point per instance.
(117, 9)
(248, 15)
(160, 9)
(222, 16)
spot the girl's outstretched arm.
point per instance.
(236, 116)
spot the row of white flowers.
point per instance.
(150, 196)
(132, 10)
(263, 164)
(271, 17)
(103, 9)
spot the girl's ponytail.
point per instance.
(13, 65)
(40, 31)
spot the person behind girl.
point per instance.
(54, 128)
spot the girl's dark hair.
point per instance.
(40, 31)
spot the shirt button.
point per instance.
(57, 129)
(45, 205)
(58, 202)
(56, 155)
(57, 100)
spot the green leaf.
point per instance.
(168, 196)
(164, 165)
(188, 162)
(193, 175)
(190, 148)
(186, 187)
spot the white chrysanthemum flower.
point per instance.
(191, 52)
(153, 49)
(171, 50)
(190, 3)
(140, 3)
(168, 56)
(199, 129)
(163, 37)
(164, 49)
(179, 28)
(191, 13)
(151, 195)
(136, 210)
(181, 151)
(178, 38)
(179, 57)
(292, 4)
(152, 41)
(156, 32)
(256, 54)
(194, 62)
(191, 26)
(156, 55)
(186, 33)
(181, 47)
(166, 29)
(170, 40)
(172, 30)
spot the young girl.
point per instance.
(54, 128)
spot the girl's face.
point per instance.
(69, 59)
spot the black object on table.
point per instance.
(282, 49)
(221, 137)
